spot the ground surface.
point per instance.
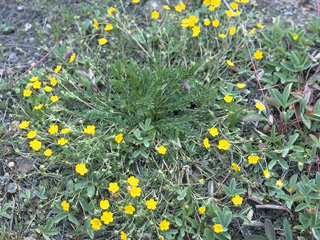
(23, 45)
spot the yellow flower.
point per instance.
(183, 7)
(123, 236)
(279, 183)
(81, 169)
(113, 187)
(35, 144)
(32, 134)
(212, 8)
(232, 30)
(104, 204)
(162, 150)
(201, 181)
(53, 82)
(111, 10)
(252, 31)
(164, 225)
(259, 25)
(135, 191)
(36, 85)
(223, 144)
(237, 200)
(295, 37)
(228, 98)
(135, 1)
(215, 3)
(266, 173)
(217, 228)
(72, 58)
(206, 22)
(206, 143)
(244, 1)
(38, 107)
(57, 69)
(230, 63)
(258, 54)
(65, 130)
(151, 204)
(90, 129)
(237, 13)
(54, 98)
(202, 210)
(215, 23)
(108, 27)
(34, 79)
(47, 88)
(221, 35)
(129, 209)
(206, 2)
(53, 129)
(178, 8)
(234, 6)
(95, 223)
(260, 106)
(95, 23)
(119, 138)
(27, 93)
(107, 217)
(65, 206)
(240, 85)
(166, 7)
(133, 181)
(155, 14)
(253, 159)
(300, 164)
(47, 152)
(214, 132)
(24, 124)
(102, 41)
(196, 31)
(62, 141)
(290, 190)
(230, 13)
(236, 167)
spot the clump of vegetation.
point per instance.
(141, 130)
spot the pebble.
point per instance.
(287, 13)
(12, 58)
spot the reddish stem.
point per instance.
(260, 86)
(223, 182)
(318, 8)
(55, 45)
(187, 230)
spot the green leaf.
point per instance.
(232, 185)
(52, 232)
(292, 139)
(49, 224)
(301, 207)
(90, 189)
(178, 221)
(287, 229)
(60, 216)
(271, 234)
(73, 219)
(283, 164)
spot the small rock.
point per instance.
(20, 8)
(12, 58)
(12, 188)
(288, 13)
